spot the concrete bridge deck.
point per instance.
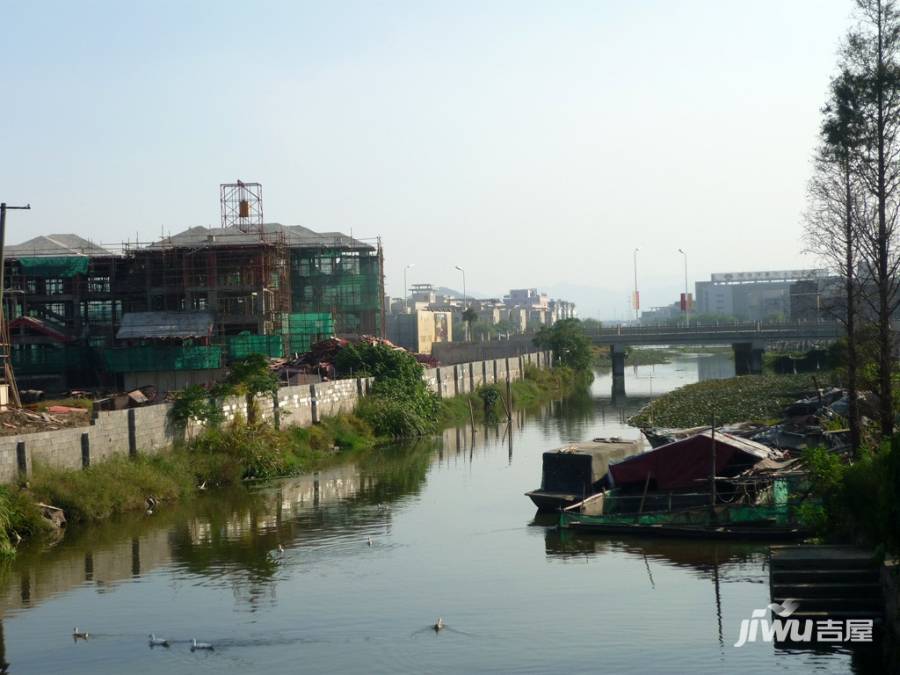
(748, 340)
(706, 334)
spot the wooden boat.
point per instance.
(765, 523)
(575, 471)
(759, 504)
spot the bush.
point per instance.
(400, 404)
(859, 501)
(392, 418)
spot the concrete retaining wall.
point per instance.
(449, 353)
(148, 430)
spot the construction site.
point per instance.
(173, 312)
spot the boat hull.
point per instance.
(694, 532)
(747, 523)
(549, 502)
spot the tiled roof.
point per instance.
(55, 245)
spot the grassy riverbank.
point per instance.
(232, 453)
(737, 399)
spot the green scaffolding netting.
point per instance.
(241, 346)
(346, 284)
(45, 359)
(304, 329)
(151, 358)
(52, 267)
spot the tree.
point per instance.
(570, 345)
(831, 219)
(249, 377)
(469, 316)
(871, 57)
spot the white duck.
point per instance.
(158, 642)
(201, 645)
(439, 625)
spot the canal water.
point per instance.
(376, 551)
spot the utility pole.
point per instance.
(687, 297)
(5, 350)
(465, 300)
(636, 302)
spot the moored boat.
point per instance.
(573, 472)
(725, 522)
(711, 485)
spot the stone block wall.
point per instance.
(147, 430)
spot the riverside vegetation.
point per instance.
(737, 399)
(247, 448)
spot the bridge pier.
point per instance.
(617, 357)
(748, 358)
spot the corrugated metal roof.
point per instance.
(682, 463)
(294, 235)
(137, 325)
(55, 245)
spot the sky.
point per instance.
(534, 144)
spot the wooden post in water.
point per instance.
(644, 496)
(712, 470)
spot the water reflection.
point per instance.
(449, 528)
(232, 536)
(700, 558)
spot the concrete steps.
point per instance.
(827, 582)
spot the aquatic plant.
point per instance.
(737, 399)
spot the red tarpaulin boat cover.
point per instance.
(684, 463)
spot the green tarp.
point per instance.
(304, 329)
(241, 346)
(152, 358)
(53, 267)
(46, 359)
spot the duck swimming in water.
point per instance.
(79, 635)
(158, 642)
(201, 645)
(439, 625)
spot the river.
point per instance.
(375, 551)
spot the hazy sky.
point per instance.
(533, 143)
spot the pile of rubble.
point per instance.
(14, 421)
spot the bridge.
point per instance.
(748, 340)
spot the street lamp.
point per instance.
(687, 297)
(636, 298)
(405, 296)
(465, 300)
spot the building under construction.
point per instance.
(83, 315)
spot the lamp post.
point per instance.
(465, 299)
(405, 296)
(687, 297)
(636, 298)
